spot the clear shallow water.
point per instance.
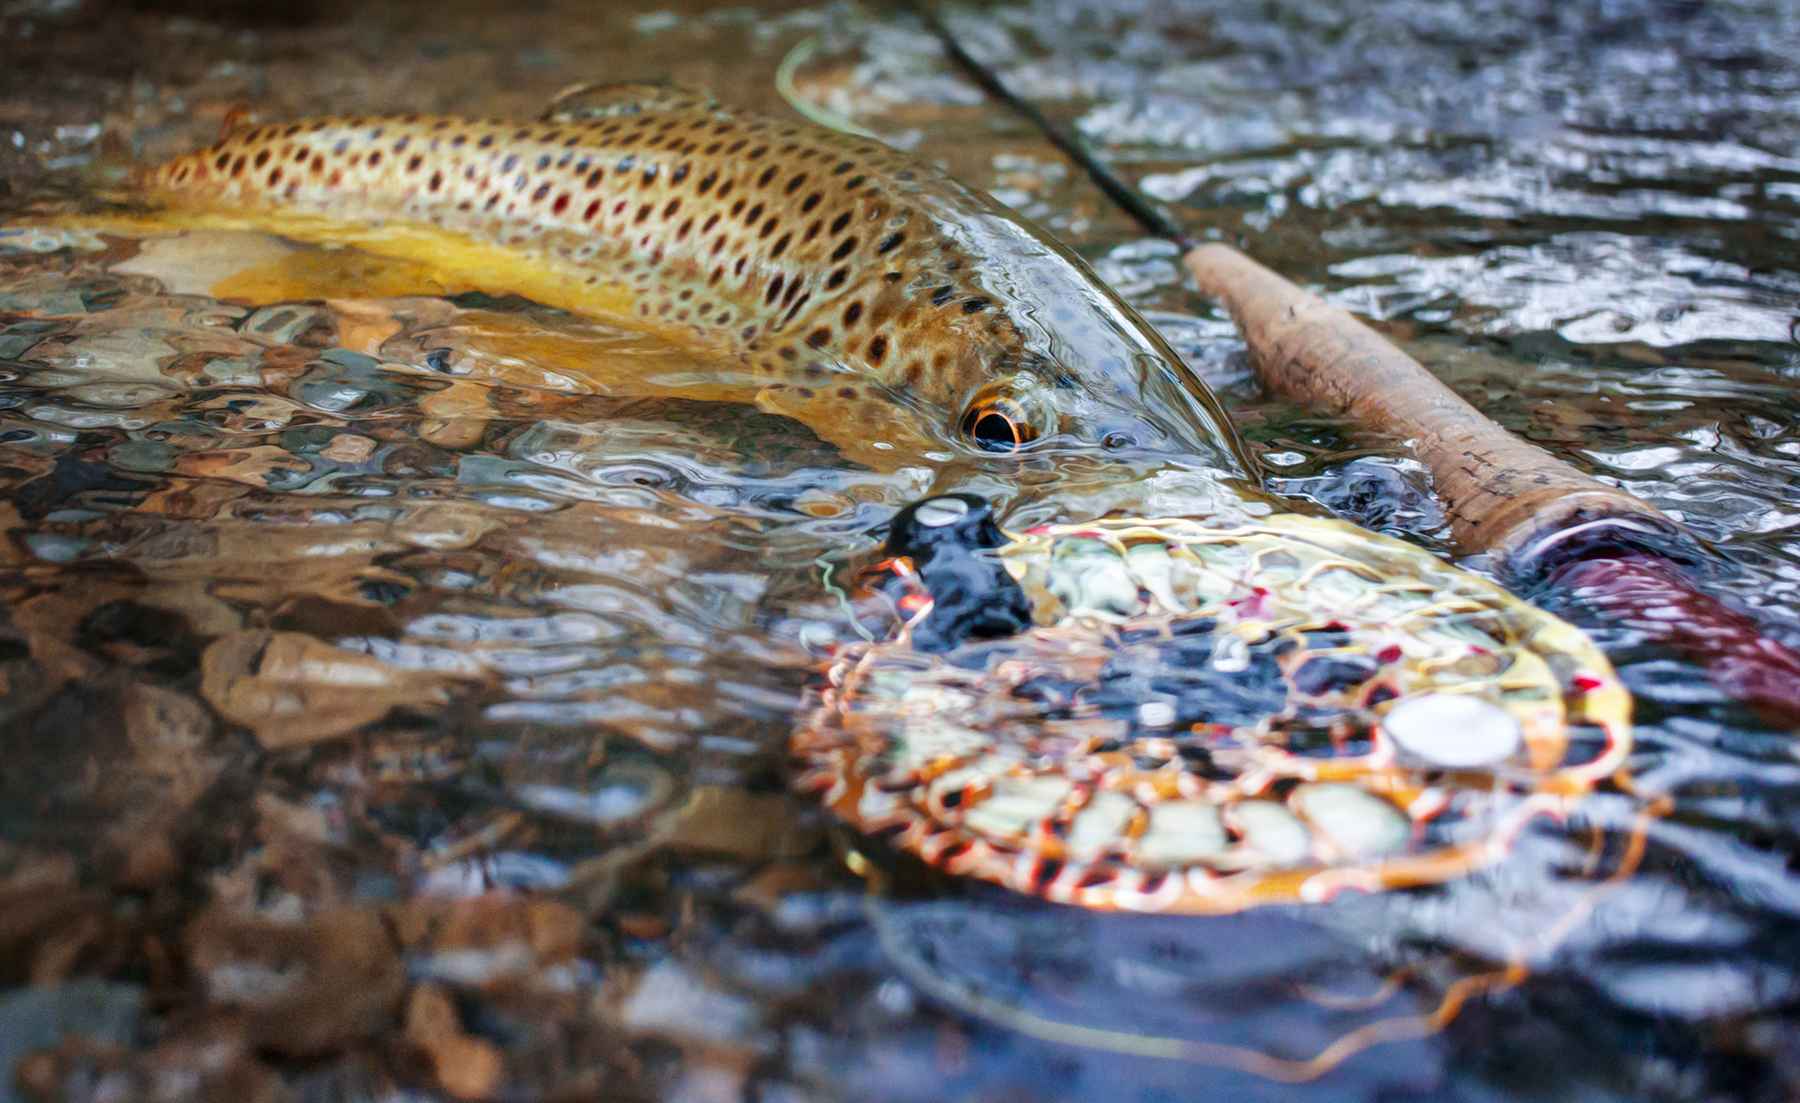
(351, 613)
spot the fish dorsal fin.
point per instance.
(612, 99)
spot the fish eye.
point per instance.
(997, 426)
(1117, 441)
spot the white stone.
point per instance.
(1016, 804)
(1272, 831)
(1359, 824)
(939, 512)
(1100, 824)
(1180, 833)
(1453, 730)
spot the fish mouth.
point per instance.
(1193, 416)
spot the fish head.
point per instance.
(1036, 353)
(1122, 394)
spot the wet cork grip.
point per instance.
(1503, 495)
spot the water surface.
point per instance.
(373, 623)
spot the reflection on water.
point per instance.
(420, 620)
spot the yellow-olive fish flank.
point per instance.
(854, 283)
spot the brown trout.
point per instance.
(860, 288)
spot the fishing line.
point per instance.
(1124, 195)
(1128, 198)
